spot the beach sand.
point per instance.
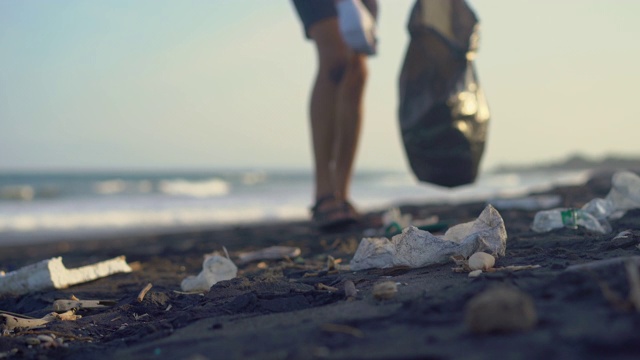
(280, 312)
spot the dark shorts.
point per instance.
(312, 11)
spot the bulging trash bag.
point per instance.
(443, 112)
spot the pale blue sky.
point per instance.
(211, 84)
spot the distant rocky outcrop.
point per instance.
(576, 162)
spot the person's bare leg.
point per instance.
(349, 121)
(333, 62)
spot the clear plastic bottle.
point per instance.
(566, 217)
(548, 220)
(595, 215)
(625, 191)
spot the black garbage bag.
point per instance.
(443, 112)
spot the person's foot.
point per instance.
(329, 212)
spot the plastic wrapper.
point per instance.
(417, 248)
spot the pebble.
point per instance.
(500, 309)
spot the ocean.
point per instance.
(45, 206)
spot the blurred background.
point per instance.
(158, 104)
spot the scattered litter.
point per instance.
(52, 273)
(168, 307)
(138, 317)
(65, 305)
(9, 321)
(623, 235)
(500, 309)
(393, 221)
(214, 269)
(144, 292)
(385, 290)
(417, 248)
(481, 261)
(270, 253)
(530, 203)
(595, 215)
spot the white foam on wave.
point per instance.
(122, 219)
(200, 189)
(109, 187)
(203, 203)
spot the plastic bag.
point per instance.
(417, 248)
(443, 112)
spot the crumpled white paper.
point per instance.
(215, 268)
(417, 248)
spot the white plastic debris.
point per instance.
(417, 248)
(215, 268)
(51, 273)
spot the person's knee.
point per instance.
(357, 70)
(335, 69)
(355, 74)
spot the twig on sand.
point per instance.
(342, 329)
(65, 305)
(144, 292)
(15, 321)
(321, 286)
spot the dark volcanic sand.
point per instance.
(277, 313)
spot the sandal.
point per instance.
(351, 210)
(332, 217)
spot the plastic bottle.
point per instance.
(566, 217)
(625, 191)
(624, 195)
(595, 215)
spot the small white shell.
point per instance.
(385, 290)
(481, 261)
(475, 273)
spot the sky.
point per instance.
(225, 83)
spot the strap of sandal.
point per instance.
(321, 200)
